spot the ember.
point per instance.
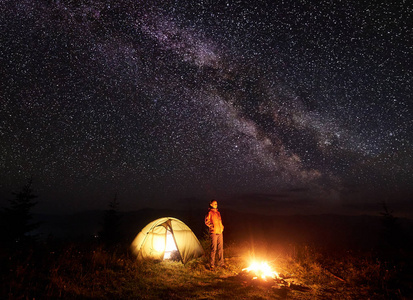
(262, 270)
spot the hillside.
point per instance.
(330, 231)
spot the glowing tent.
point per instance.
(161, 237)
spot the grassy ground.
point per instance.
(88, 271)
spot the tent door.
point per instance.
(170, 245)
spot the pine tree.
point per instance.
(392, 235)
(17, 218)
(111, 233)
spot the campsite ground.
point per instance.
(317, 257)
(87, 271)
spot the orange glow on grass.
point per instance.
(261, 270)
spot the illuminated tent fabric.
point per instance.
(151, 241)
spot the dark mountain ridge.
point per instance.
(332, 231)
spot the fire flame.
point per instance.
(262, 270)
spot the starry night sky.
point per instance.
(270, 106)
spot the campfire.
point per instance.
(261, 270)
(261, 274)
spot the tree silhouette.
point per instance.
(389, 220)
(16, 219)
(111, 233)
(392, 236)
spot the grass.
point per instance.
(89, 271)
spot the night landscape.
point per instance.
(295, 116)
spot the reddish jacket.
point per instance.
(213, 221)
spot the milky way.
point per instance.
(253, 102)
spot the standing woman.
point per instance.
(214, 222)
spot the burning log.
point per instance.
(260, 273)
(262, 270)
